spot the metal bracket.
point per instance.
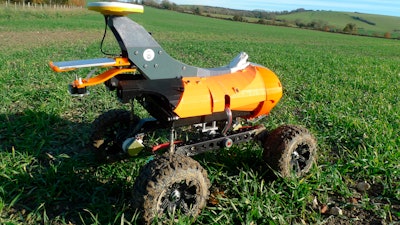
(229, 120)
(243, 135)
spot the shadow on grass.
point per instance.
(49, 176)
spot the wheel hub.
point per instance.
(175, 196)
(300, 156)
(180, 197)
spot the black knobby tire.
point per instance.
(290, 150)
(109, 130)
(171, 184)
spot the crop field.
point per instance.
(344, 89)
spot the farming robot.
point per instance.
(201, 109)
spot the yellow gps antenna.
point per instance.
(115, 8)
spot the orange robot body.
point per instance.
(254, 89)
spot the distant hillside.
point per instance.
(368, 24)
(330, 21)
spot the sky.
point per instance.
(382, 7)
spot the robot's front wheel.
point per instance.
(170, 185)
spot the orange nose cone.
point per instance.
(254, 89)
(273, 90)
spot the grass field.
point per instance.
(345, 89)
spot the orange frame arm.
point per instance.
(101, 78)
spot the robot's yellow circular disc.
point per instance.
(115, 8)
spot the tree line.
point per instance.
(47, 2)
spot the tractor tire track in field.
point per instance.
(12, 41)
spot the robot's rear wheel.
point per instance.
(108, 133)
(290, 150)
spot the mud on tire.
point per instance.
(290, 150)
(109, 130)
(171, 184)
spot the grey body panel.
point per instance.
(151, 59)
